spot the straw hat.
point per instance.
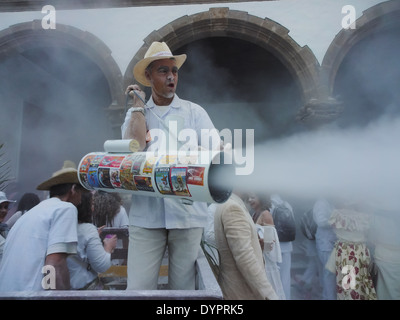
(157, 51)
(3, 198)
(68, 174)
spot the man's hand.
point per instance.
(136, 128)
(100, 229)
(109, 243)
(136, 101)
(59, 262)
(268, 246)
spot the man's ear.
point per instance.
(147, 74)
(73, 188)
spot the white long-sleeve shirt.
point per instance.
(325, 237)
(91, 258)
(150, 212)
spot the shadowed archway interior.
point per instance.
(368, 78)
(241, 85)
(57, 98)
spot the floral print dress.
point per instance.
(350, 257)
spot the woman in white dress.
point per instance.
(268, 239)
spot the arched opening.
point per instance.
(58, 96)
(241, 85)
(368, 79)
(55, 95)
(361, 67)
(261, 76)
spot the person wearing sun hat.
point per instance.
(44, 237)
(4, 203)
(158, 223)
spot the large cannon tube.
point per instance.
(197, 176)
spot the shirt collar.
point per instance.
(175, 103)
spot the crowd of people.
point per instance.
(61, 231)
(251, 234)
(342, 262)
(348, 256)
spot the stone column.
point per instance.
(317, 112)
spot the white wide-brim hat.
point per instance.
(68, 174)
(156, 51)
(3, 198)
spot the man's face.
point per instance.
(76, 195)
(163, 76)
(3, 210)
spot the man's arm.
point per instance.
(59, 262)
(136, 122)
(321, 213)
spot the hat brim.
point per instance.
(140, 67)
(69, 176)
(1, 201)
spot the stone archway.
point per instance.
(223, 22)
(22, 36)
(37, 79)
(344, 63)
(379, 17)
(272, 37)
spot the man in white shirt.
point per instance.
(4, 228)
(156, 223)
(36, 249)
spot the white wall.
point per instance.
(311, 22)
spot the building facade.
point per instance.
(278, 67)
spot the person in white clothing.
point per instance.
(310, 282)
(106, 209)
(325, 239)
(93, 257)
(209, 234)
(27, 202)
(121, 219)
(37, 246)
(286, 251)
(158, 223)
(385, 242)
(4, 228)
(272, 256)
(109, 213)
(269, 240)
(209, 245)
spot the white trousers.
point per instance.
(146, 251)
(328, 278)
(284, 270)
